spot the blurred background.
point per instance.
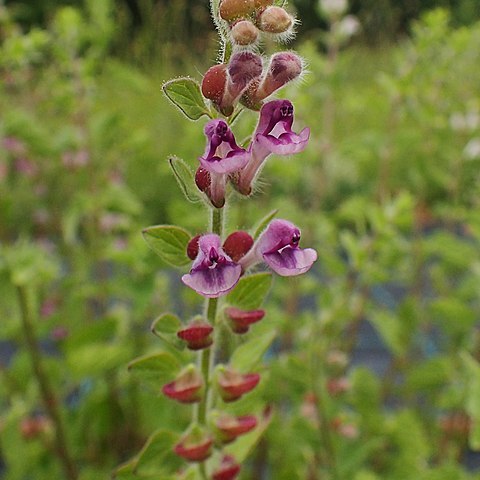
(375, 371)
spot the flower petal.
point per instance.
(290, 261)
(213, 282)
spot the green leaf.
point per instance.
(243, 446)
(250, 291)
(155, 369)
(185, 94)
(185, 179)
(247, 355)
(261, 225)
(166, 327)
(169, 243)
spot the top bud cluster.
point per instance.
(245, 78)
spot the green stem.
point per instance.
(48, 396)
(206, 355)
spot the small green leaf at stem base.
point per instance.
(185, 179)
(169, 243)
(186, 95)
(250, 291)
(155, 369)
(166, 327)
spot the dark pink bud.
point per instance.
(187, 387)
(228, 469)
(192, 247)
(214, 83)
(237, 245)
(202, 179)
(229, 427)
(195, 445)
(197, 335)
(240, 320)
(232, 385)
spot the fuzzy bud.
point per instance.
(237, 245)
(228, 469)
(232, 9)
(233, 385)
(214, 83)
(240, 320)
(284, 67)
(263, 3)
(187, 387)
(243, 68)
(275, 20)
(244, 33)
(197, 334)
(195, 445)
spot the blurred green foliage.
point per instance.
(388, 193)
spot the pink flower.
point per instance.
(213, 272)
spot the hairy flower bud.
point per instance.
(233, 385)
(232, 9)
(214, 83)
(197, 334)
(195, 445)
(275, 20)
(244, 33)
(284, 67)
(187, 387)
(237, 245)
(263, 3)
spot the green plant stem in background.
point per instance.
(46, 391)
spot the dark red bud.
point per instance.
(186, 388)
(194, 450)
(197, 335)
(240, 320)
(230, 427)
(228, 469)
(232, 385)
(213, 83)
(202, 179)
(237, 245)
(192, 247)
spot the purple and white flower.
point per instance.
(273, 134)
(278, 247)
(213, 272)
(222, 156)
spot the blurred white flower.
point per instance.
(472, 149)
(348, 27)
(333, 8)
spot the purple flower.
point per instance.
(222, 156)
(278, 247)
(213, 272)
(273, 134)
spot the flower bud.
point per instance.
(34, 426)
(232, 385)
(228, 469)
(202, 179)
(242, 69)
(244, 32)
(228, 427)
(192, 247)
(238, 244)
(275, 20)
(263, 3)
(240, 320)
(187, 387)
(284, 67)
(337, 386)
(195, 445)
(232, 9)
(197, 334)
(214, 83)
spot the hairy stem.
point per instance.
(48, 396)
(206, 355)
